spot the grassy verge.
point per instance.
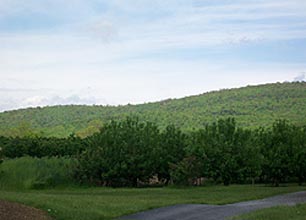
(297, 212)
(109, 203)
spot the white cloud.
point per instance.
(162, 79)
(56, 8)
(103, 30)
(300, 77)
(103, 49)
(14, 98)
(57, 100)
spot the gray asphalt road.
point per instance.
(216, 212)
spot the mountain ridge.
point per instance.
(252, 106)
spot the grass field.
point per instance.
(109, 203)
(297, 212)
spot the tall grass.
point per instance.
(35, 173)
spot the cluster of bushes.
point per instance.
(127, 152)
(130, 153)
(34, 146)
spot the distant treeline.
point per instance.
(130, 152)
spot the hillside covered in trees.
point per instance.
(251, 106)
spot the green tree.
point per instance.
(298, 162)
(121, 154)
(278, 151)
(186, 172)
(171, 150)
(226, 151)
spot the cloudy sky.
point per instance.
(134, 51)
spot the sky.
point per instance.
(114, 52)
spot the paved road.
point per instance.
(216, 212)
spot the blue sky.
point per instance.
(134, 51)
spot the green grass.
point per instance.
(109, 203)
(34, 173)
(297, 212)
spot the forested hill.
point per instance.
(252, 106)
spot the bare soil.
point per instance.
(15, 211)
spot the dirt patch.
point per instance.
(15, 211)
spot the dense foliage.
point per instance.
(41, 146)
(284, 151)
(252, 106)
(226, 153)
(131, 153)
